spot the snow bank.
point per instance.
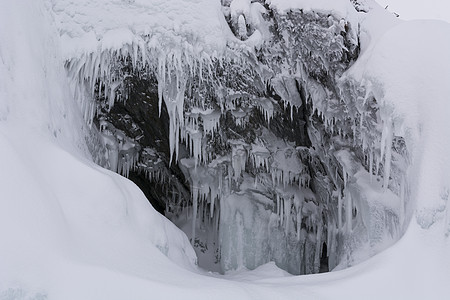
(420, 111)
(60, 213)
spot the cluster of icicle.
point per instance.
(122, 152)
(353, 120)
(175, 68)
(172, 67)
(296, 207)
(211, 178)
(348, 110)
(151, 165)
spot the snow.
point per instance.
(414, 9)
(339, 8)
(71, 230)
(168, 22)
(420, 111)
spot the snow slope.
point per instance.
(415, 9)
(70, 230)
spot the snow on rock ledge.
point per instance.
(340, 8)
(88, 25)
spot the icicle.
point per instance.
(211, 211)
(402, 201)
(265, 105)
(298, 206)
(384, 134)
(242, 27)
(195, 196)
(239, 158)
(388, 157)
(377, 163)
(344, 175)
(361, 119)
(349, 212)
(330, 228)
(318, 247)
(371, 165)
(332, 261)
(281, 211)
(287, 215)
(339, 210)
(211, 122)
(161, 78)
(278, 205)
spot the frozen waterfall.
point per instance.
(286, 159)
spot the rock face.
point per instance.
(265, 156)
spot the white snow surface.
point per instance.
(340, 8)
(87, 25)
(71, 230)
(417, 9)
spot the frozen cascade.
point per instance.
(286, 196)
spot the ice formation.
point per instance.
(312, 196)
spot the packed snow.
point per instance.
(72, 230)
